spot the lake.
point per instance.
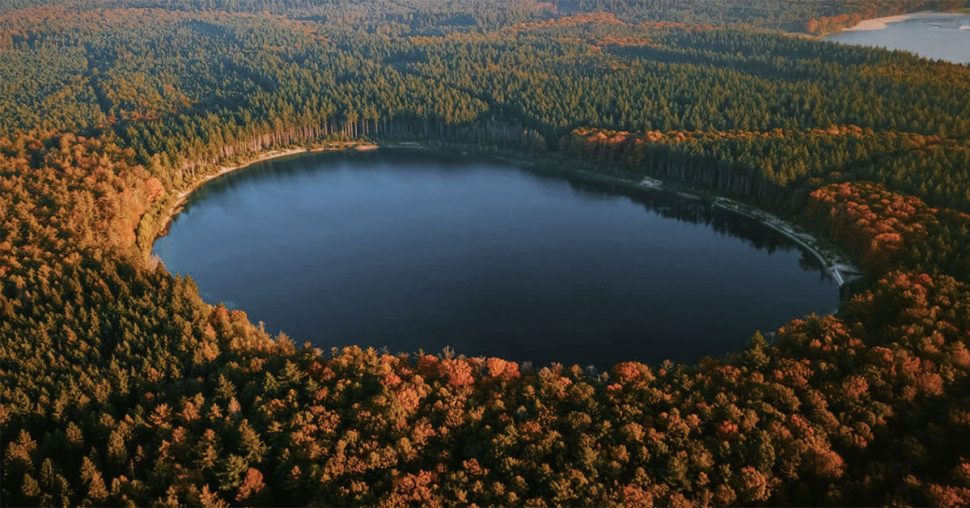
(935, 35)
(413, 250)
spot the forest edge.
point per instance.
(835, 262)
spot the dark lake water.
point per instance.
(411, 250)
(939, 36)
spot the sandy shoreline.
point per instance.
(867, 25)
(835, 263)
(182, 197)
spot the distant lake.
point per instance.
(414, 250)
(935, 35)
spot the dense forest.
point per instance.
(121, 386)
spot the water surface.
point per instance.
(411, 250)
(938, 36)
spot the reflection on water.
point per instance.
(409, 250)
(939, 36)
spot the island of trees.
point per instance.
(121, 386)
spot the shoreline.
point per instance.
(839, 268)
(874, 24)
(834, 263)
(183, 196)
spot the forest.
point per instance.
(121, 386)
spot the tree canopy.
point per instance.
(120, 385)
